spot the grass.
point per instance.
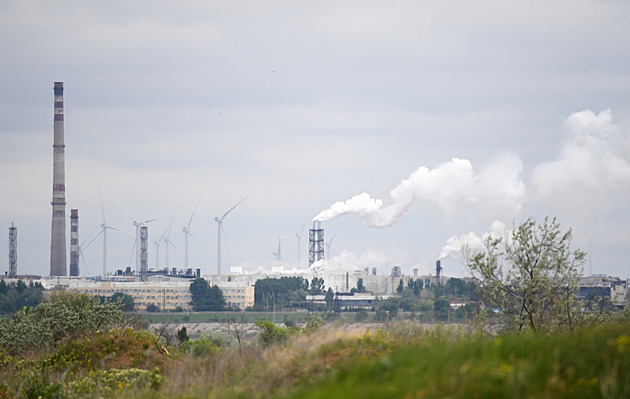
(401, 360)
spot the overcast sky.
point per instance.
(448, 115)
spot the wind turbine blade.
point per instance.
(133, 251)
(333, 236)
(198, 243)
(119, 230)
(126, 210)
(100, 199)
(174, 246)
(195, 210)
(167, 230)
(91, 241)
(238, 203)
(308, 218)
(152, 220)
(84, 262)
(198, 211)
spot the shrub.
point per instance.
(65, 316)
(271, 334)
(361, 316)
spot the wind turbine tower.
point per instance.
(219, 221)
(186, 231)
(144, 252)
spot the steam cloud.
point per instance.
(456, 244)
(592, 172)
(590, 176)
(454, 185)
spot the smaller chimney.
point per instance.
(74, 242)
(438, 270)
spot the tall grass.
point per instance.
(401, 360)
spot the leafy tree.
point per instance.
(418, 286)
(205, 297)
(126, 301)
(409, 302)
(279, 291)
(360, 287)
(152, 308)
(401, 287)
(182, 335)
(16, 295)
(317, 286)
(461, 289)
(330, 298)
(441, 309)
(531, 276)
(390, 305)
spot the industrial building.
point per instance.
(611, 289)
(237, 294)
(167, 293)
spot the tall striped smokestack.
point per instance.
(58, 232)
(74, 242)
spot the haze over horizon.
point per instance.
(408, 128)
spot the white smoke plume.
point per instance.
(592, 172)
(456, 244)
(348, 261)
(453, 186)
(590, 177)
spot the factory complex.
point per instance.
(168, 289)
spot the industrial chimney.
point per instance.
(58, 230)
(438, 271)
(74, 242)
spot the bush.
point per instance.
(65, 316)
(361, 316)
(271, 334)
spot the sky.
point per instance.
(406, 127)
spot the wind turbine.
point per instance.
(158, 245)
(186, 231)
(103, 231)
(219, 221)
(328, 244)
(104, 227)
(278, 254)
(298, 236)
(138, 225)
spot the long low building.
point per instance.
(166, 295)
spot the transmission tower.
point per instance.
(315, 243)
(12, 251)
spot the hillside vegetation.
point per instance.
(104, 356)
